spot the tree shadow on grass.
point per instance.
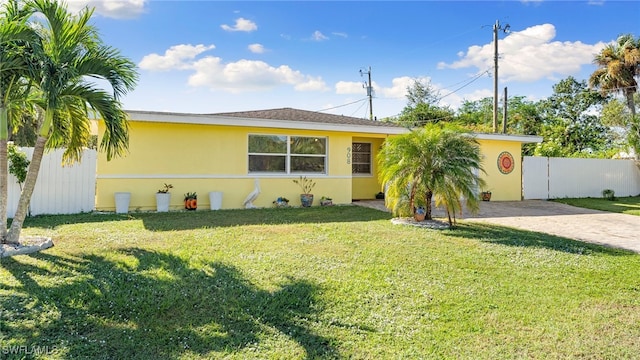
(496, 234)
(186, 220)
(142, 304)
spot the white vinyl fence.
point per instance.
(553, 178)
(59, 189)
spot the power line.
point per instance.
(339, 106)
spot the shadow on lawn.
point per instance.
(513, 237)
(159, 308)
(186, 220)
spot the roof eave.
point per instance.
(181, 118)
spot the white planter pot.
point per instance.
(215, 198)
(162, 202)
(122, 202)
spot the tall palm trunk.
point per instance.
(634, 127)
(428, 197)
(4, 174)
(4, 195)
(29, 185)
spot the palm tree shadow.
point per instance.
(155, 305)
(514, 237)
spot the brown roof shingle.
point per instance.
(290, 114)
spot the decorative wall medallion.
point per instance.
(505, 162)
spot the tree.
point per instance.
(618, 66)
(18, 42)
(72, 53)
(438, 162)
(570, 121)
(421, 92)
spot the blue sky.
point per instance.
(221, 56)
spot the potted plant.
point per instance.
(420, 213)
(306, 198)
(326, 201)
(191, 201)
(163, 198)
(281, 202)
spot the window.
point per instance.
(361, 158)
(287, 154)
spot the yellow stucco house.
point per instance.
(226, 152)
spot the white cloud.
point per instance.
(529, 55)
(175, 58)
(242, 24)
(341, 34)
(398, 87)
(256, 48)
(118, 9)
(248, 75)
(349, 87)
(318, 36)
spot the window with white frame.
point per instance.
(287, 154)
(361, 158)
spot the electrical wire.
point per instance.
(339, 106)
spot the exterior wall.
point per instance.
(204, 158)
(367, 186)
(503, 187)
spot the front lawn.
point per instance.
(331, 282)
(624, 205)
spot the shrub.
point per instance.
(609, 194)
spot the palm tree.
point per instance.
(438, 162)
(73, 53)
(17, 45)
(618, 66)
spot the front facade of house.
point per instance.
(227, 152)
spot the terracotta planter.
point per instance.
(191, 204)
(419, 217)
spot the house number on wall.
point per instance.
(348, 155)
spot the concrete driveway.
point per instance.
(599, 227)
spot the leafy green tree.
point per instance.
(476, 115)
(421, 92)
(438, 162)
(618, 67)
(570, 121)
(422, 106)
(72, 54)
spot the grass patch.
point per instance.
(330, 282)
(624, 205)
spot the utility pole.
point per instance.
(504, 112)
(369, 91)
(505, 29)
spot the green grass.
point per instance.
(331, 282)
(624, 205)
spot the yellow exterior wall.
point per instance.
(204, 158)
(367, 186)
(503, 187)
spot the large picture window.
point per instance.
(287, 154)
(361, 158)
